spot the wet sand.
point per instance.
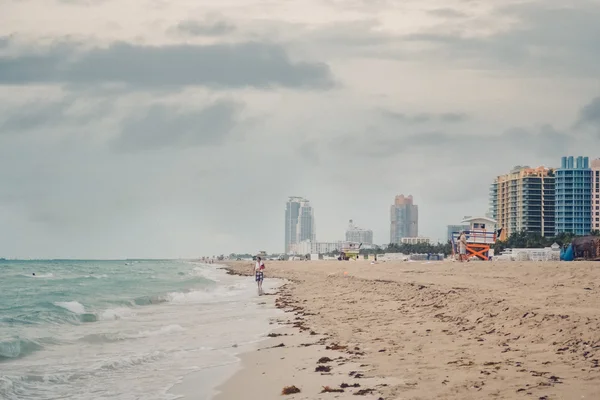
(437, 330)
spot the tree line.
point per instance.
(520, 240)
(534, 240)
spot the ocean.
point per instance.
(123, 330)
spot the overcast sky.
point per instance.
(155, 128)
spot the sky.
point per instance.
(155, 128)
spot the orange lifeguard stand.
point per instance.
(480, 237)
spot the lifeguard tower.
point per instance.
(350, 250)
(480, 237)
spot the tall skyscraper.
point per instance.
(404, 219)
(596, 195)
(574, 196)
(299, 223)
(359, 235)
(305, 230)
(524, 200)
(292, 210)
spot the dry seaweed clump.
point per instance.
(327, 389)
(323, 368)
(290, 390)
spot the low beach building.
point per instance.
(359, 235)
(415, 240)
(310, 247)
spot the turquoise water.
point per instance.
(118, 329)
(75, 292)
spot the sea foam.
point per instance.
(74, 306)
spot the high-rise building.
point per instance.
(359, 235)
(524, 200)
(595, 194)
(299, 223)
(574, 196)
(305, 230)
(404, 219)
(292, 211)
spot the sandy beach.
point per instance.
(428, 330)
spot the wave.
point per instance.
(162, 331)
(74, 306)
(101, 276)
(16, 348)
(48, 275)
(149, 300)
(131, 361)
(116, 313)
(100, 338)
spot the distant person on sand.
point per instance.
(462, 245)
(259, 274)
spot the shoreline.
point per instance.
(293, 354)
(507, 330)
(243, 333)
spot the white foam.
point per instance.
(101, 276)
(197, 296)
(73, 306)
(116, 313)
(162, 331)
(48, 275)
(206, 272)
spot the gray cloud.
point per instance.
(386, 141)
(162, 126)
(590, 115)
(547, 37)
(219, 65)
(207, 27)
(424, 117)
(71, 110)
(136, 160)
(447, 13)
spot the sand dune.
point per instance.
(445, 330)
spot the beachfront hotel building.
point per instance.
(415, 240)
(310, 247)
(574, 196)
(595, 165)
(359, 235)
(404, 219)
(299, 223)
(524, 200)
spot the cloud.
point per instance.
(590, 115)
(208, 27)
(248, 64)
(387, 141)
(447, 13)
(139, 141)
(162, 126)
(72, 110)
(424, 117)
(546, 37)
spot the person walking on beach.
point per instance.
(259, 274)
(462, 245)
